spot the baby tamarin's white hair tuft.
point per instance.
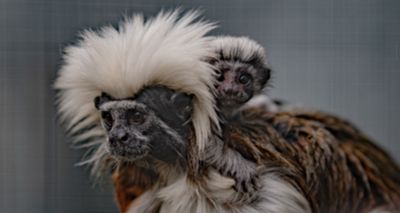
(165, 50)
(239, 48)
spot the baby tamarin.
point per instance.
(242, 72)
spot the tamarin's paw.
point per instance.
(247, 183)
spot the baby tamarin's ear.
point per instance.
(103, 98)
(263, 75)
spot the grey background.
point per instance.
(342, 56)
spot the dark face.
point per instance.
(137, 128)
(237, 82)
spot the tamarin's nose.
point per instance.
(119, 137)
(123, 137)
(230, 91)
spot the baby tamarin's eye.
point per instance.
(221, 71)
(244, 78)
(135, 117)
(220, 76)
(107, 119)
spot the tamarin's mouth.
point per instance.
(129, 152)
(231, 100)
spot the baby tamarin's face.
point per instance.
(237, 82)
(242, 71)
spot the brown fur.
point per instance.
(361, 175)
(130, 181)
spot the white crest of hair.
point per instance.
(165, 50)
(239, 47)
(276, 196)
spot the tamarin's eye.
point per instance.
(220, 76)
(244, 78)
(135, 117)
(107, 119)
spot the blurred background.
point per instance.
(337, 55)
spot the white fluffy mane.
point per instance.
(165, 50)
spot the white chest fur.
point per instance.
(275, 196)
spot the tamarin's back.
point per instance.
(336, 166)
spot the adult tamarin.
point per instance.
(146, 67)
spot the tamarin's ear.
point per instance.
(99, 100)
(184, 102)
(264, 75)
